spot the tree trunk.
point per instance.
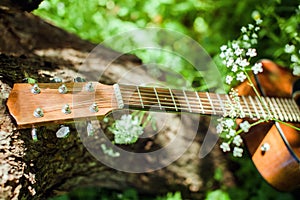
(52, 166)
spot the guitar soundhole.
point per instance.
(296, 92)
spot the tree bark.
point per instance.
(52, 166)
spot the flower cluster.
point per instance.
(237, 54)
(126, 130)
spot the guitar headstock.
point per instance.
(44, 103)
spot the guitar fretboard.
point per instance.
(174, 100)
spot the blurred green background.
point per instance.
(212, 23)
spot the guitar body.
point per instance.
(274, 147)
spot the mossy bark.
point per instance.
(52, 166)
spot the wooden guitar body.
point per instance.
(274, 147)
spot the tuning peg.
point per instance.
(89, 87)
(66, 109)
(63, 132)
(34, 134)
(56, 80)
(79, 79)
(35, 89)
(63, 89)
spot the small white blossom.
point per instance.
(253, 41)
(245, 126)
(254, 35)
(251, 52)
(294, 58)
(234, 68)
(259, 21)
(225, 146)
(243, 29)
(238, 51)
(230, 62)
(237, 152)
(229, 79)
(223, 47)
(237, 140)
(250, 26)
(235, 45)
(219, 128)
(244, 63)
(257, 28)
(289, 48)
(229, 123)
(257, 68)
(241, 76)
(245, 37)
(222, 55)
(232, 132)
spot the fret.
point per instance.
(160, 107)
(281, 102)
(289, 109)
(281, 117)
(221, 104)
(140, 96)
(274, 114)
(261, 108)
(200, 104)
(266, 107)
(254, 107)
(247, 106)
(187, 101)
(173, 99)
(242, 114)
(211, 104)
(295, 109)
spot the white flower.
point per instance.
(254, 35)
(251, 53)
(222, 55)
(238, 51)
(223, 47)
(237, 152)
(229, 79)
(230, 62)
(229, 123)
(296, 70)
(250, 26)
(244, 63)
(257, 28)
(241, 76)
(245, 37)
(225, 146)
(245, 126)
(219, 128)
(237, 140)
(289, 48)
(235, 45)
(294, 58)
(231, 132)
(244, 29)
(259, 21)
(234, 68)
(257, 68)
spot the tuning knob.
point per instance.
(265, 147)
(63, 132)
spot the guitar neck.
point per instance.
(33, 105)
(205, 103)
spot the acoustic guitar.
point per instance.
(274, 147)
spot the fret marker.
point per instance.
(187, 101)
(118, 96)
(35, 89)
(157, 98)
